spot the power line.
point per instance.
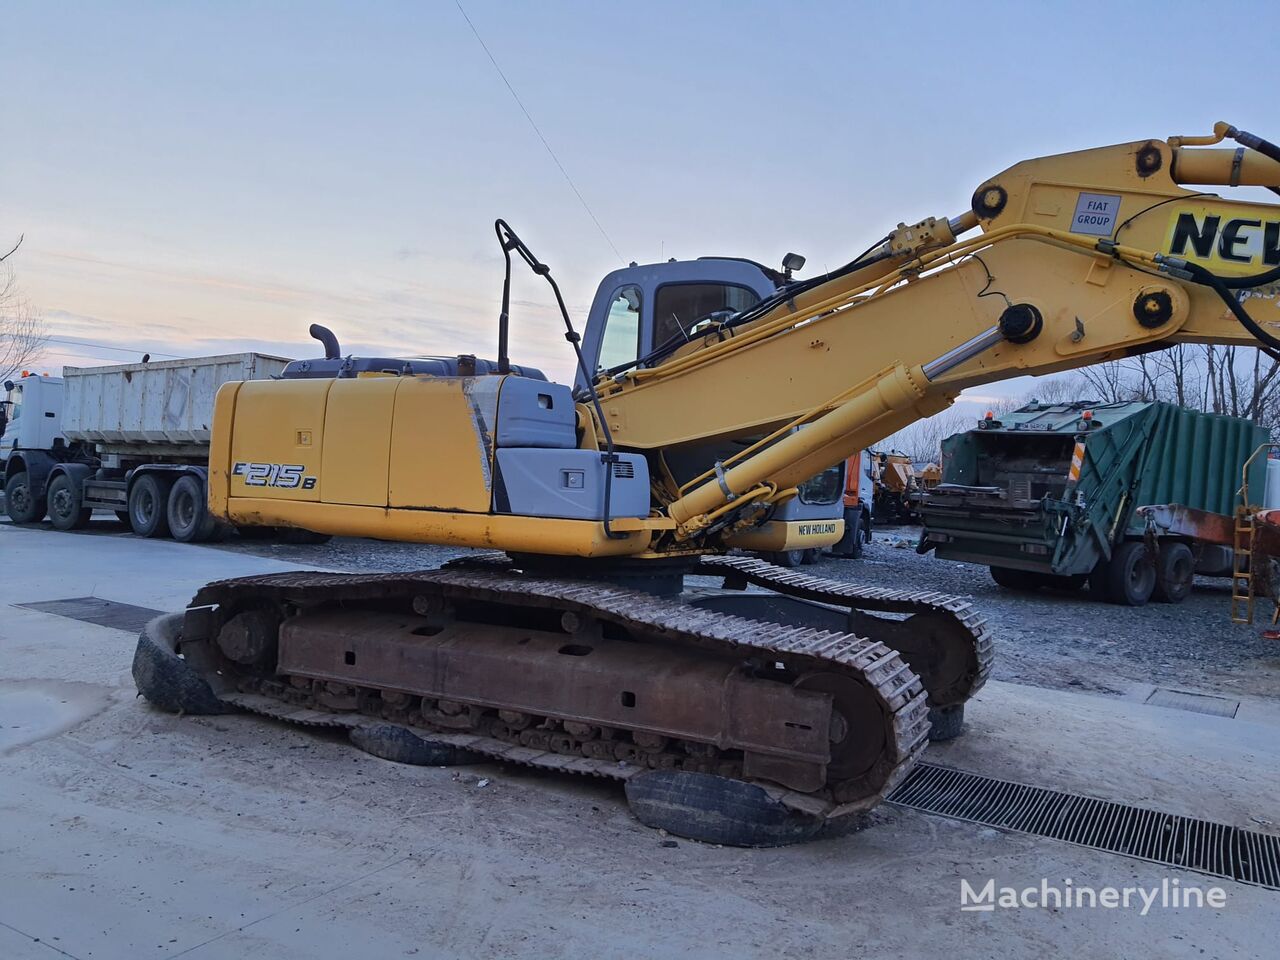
(523, 110)
(107, 346)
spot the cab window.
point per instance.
(620, 343)
(679, 306)
(825, 488)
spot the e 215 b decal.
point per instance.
(288, 476)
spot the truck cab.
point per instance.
(30, 414)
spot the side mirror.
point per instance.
(8, 385)
(792, 263)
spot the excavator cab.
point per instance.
(644, 307)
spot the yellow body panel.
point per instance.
(570, 538)
(357, 440)
(441, 447)
(278, 423)
(789, 535)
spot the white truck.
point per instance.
(132, 438)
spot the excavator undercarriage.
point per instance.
(789, 686)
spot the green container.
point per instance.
(1008, 496)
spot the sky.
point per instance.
(202, 178)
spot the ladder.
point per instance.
(1241, 569)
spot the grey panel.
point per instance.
(104, 613)
(535, 413)
(541, 482)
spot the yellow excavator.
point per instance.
(609, 630)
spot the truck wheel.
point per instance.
(853, 528)
(786, 558)
(1175, 569)
(66, 504)
(20, 503)
(188, 511)
(1012, 579)
(1131, 576)
(148, 506)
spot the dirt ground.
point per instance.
(1053, 639)
(129, 832)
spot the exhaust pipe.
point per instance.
(326, 337)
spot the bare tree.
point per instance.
(922, 440)
(22, 333)
(1238, 381)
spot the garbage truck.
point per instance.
(128, 438)
(1132, 498)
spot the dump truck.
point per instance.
(129, 438)
(1133, 498)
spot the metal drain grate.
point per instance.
(1201, 845)
(1195, 702)
(104, 613)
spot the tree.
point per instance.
(22, 333)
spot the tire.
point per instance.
(66, 503)
(1011, 579)
(187, 511)
(295, 535)
(19, 503)
(786, 558)
(390, 742)
(149, 506)
(853, 530)
(712, 809)
(1131, 576)
(946, 723)
(164, 678)
(1175, 572)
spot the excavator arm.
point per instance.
(1081, 258)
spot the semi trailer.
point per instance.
(129, 438)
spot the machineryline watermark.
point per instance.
(1169, 894)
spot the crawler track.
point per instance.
(966, 636)
(880, 673)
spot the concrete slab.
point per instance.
(129, 832)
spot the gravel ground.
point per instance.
(1050, 638)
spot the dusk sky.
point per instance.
(206, 178)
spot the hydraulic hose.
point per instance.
(1224, 286)
(1254, 142)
